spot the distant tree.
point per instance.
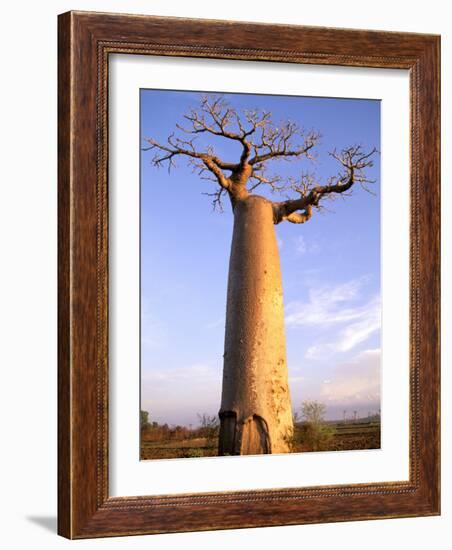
(313, 411)
(144, 419)
(209, 427)
(317, 433)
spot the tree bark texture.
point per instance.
(256, 412)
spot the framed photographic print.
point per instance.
(248, 275)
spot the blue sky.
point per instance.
(330, 267)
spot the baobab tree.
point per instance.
(256, 412)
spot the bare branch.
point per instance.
(300, 217)
(217, 199)
(283, 142)
(353, 161)
(261, 141)
(260, 179)
(175, 147)
(217, 118)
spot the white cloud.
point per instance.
(356, 382)
(325, 305)
(367, 323)
(295, 379)
(332, 306)
(356, 333)
(219, 322)
(302, 247)
(196, 371)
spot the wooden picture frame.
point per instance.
(85, 42)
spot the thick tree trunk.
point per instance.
(256, 412)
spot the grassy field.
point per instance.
(343, 437)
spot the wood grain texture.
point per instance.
(85, 42)
(64, 295)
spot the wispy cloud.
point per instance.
(367, 323)
(337, 306)
(353, 384)
(219, 322)
(295, 379)
(195, 372)
(356, 382)
(326, 305)
(303, 247)
(352, 334)
(300, 245)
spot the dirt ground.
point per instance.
(349, 436)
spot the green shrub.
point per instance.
(312, 432)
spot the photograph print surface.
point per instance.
(260, 274)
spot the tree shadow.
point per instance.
(49, 523)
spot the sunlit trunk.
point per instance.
(256, 412)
